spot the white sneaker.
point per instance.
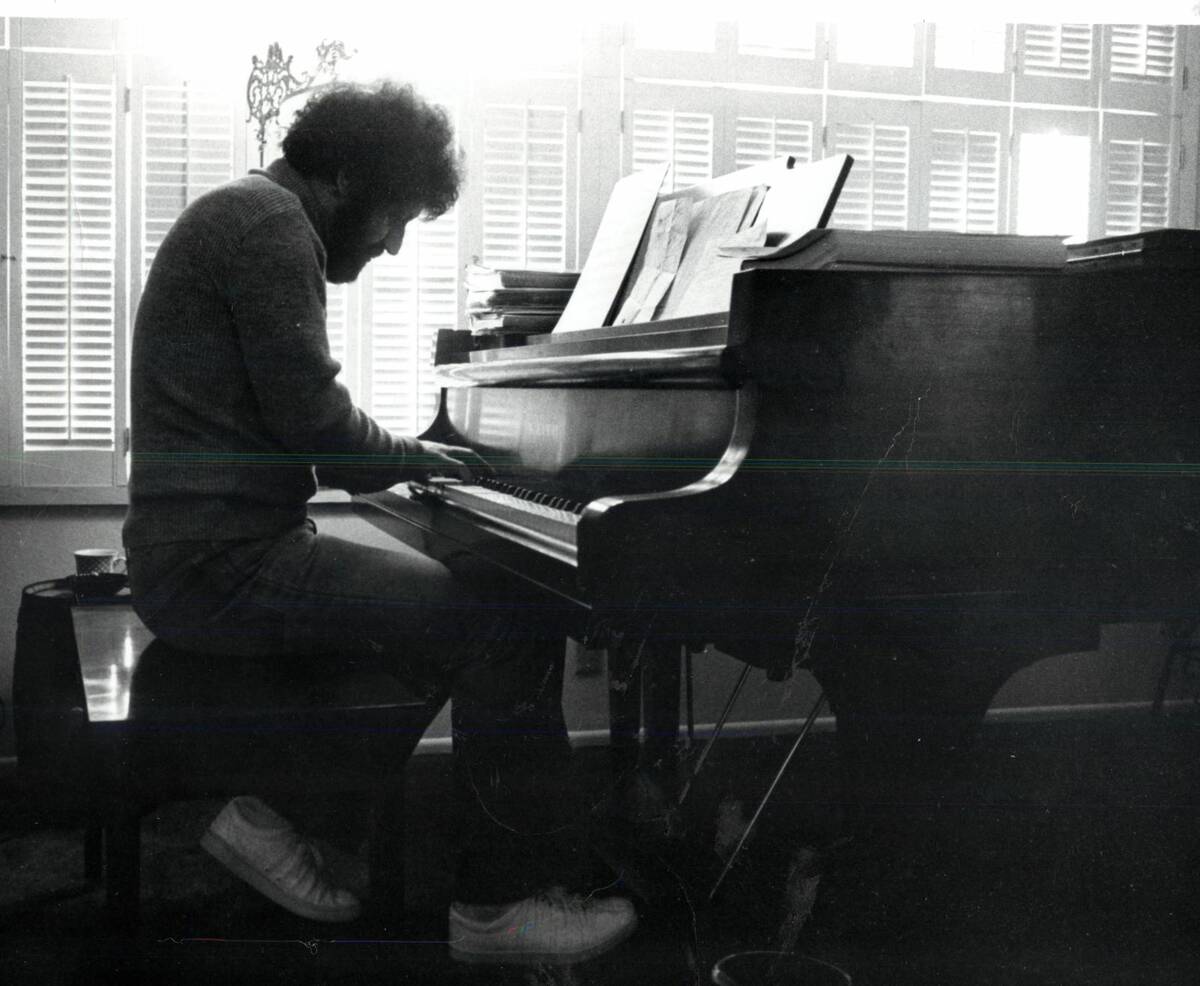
(553, 927)
(261, 847)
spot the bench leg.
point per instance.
(122, 871)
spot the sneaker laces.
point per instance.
(561, 899)
(305, 865)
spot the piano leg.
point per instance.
(661, 680)
(624, 704)
(644, 683)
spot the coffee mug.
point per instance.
(98, 561)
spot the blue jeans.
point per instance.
(435, 626)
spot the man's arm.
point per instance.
(276, 291)
(433, 458)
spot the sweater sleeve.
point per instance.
(276, 291)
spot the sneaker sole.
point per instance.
(228, 857)
(515, 957)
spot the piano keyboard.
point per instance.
(515, 507)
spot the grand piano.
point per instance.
(910, 483)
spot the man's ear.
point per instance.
(342, 183)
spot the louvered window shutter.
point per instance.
(1138, 186)
(875, 195)
(1142, 51)
(525, 187)
(187, 149)
(684, 139)
(412, 296)
(337, 321)
(68, 255)
(964, 181)
(766, 138)
(1061, 51)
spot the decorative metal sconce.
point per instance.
(272, 82)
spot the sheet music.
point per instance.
(621, 228)
(668, 235)
(704, 279)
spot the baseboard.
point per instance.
(828, 724)
(824, 724)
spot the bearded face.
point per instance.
(352, 240)
(360, 230)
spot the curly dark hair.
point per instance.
(393, 145)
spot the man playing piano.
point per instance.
(236, 416)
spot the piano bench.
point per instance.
(111, 723)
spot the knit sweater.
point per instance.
(233, 393)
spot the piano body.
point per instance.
(911, 483)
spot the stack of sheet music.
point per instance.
(510, 301)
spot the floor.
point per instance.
(1066, 852)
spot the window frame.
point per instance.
(1068, 123)
(798, 107)
(1119, 126)
(953, 82)
(711, 65)
(29, 60)
(865, 77)
(545, 90)
(950, 116)
(859, 111)
(797, 71)
(655, 97)
(1030, 87)
(1145, 95)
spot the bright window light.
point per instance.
(786, 39)
(876, 43)
(672, 33)
(438, 46)
(1052, 185)
(969, 47)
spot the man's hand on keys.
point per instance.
(451, 460)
